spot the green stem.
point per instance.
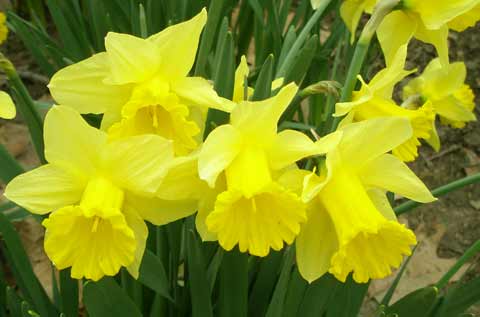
(474, 249)
(381, 10)
(292, 53)
(9, 167)
(440, 191)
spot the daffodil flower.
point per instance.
(375, 100)
(7, 107)
(99, 193)
(351, 12)
(351, 227)
(142, 85)
(255, 211)
(444, 87)
(465, 20)
(426, 20)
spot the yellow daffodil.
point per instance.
(351, 227)
(444, 87)
(3, 27)
(99, 193)
(7, 107)
(466, 20)
(375, 100)
(142, 85)
(426, 20)
(255, 211)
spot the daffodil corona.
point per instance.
(256, 211)
(351, 227)
(99, 193)
(142, 86)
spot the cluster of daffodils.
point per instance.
(148, 162)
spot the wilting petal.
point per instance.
(316, 243)
(132, 59)
(81, 86)
(220, 148)
(400, 24)
(7, 107)
(46, 188)
(70, 141)
(178, 45)
(389, 173)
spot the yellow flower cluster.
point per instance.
(148, 162)
(440, 90)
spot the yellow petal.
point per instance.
(380, 135)
(46, 188)
(380, 200)
(434, 139)
(131, 59)
(241, 73)
(400, 24)
(92, 246)
(360, 97)
(351, 12)
(177, 46)
(140, 231)
(220, 148)
(182, 181)
(465, 20)
(7, 107)
(196, 91)
(205, 207)
(138, 163)
(160, 211)
(437, 13)
(259, 223)
(81, 86)
(437, 37)
(316, 243)
(258, 120)
(442, 80)
(70, 141)
(389, 173)
(277, 83)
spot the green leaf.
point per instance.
(263, 86)
(317, 296)
(9, 167)
(27, 311)
(197, 278)
(206, 41)
(153, 275)
(296, 290)
(233, 297)
(264, 284)
(23, 271)
(347, 298)
(13, 302)
(416, 304)
(300, 66)
(275, 308)
(460, 298)
(68, 293)
(106, 298)
(3, 294)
